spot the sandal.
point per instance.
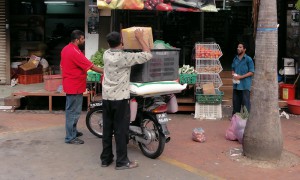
(129, 165)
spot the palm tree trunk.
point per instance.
(263, 136)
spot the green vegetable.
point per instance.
(187, 69)
(97, 58)
(297, 5)
(245, 114)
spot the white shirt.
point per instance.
(117, 68)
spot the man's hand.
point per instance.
(139, 34)
(97, 69)
(237, 77)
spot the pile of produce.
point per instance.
(187, 69)
(97, 58)
(297, 5)
(208, 52)
(198, 135)
(209, 69)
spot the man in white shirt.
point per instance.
(116, 95)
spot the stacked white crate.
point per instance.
(208, 67)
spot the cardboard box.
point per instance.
(37, 70)
(129, 40)
(32, 63)
(208, 88)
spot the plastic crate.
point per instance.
(208, 66)
(52, 82)
(30, 79)
(187, 78)
(208, 111)
(209, 78)
(162, 67)
(210, 51)
(209, 98)
(93, 76)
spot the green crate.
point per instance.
(93, 76)
(187, 78)
(210, 98)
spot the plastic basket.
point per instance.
(93, 76)
(30, 79)
(187, 78)
(210, 51)
(210, 98)
(208, 66)
(52, 82)
(162, 67)
(208, 111)
(209, 78)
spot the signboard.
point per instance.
(160, 5)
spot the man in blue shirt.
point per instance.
(242, 73)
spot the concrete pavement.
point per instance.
(32, 147)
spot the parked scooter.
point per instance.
(148, 126)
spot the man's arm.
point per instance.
(97, 69)
(239, 77)
(139, 36)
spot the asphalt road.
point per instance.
(42, 154)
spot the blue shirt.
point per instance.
(242, 67)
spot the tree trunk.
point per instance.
(262, 136)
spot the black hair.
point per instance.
(76, 34)
(113, 39)
(244, 44)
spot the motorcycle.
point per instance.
(148, 126)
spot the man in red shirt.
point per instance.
(74, 66)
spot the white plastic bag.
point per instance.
(172, 104)
(133, 109)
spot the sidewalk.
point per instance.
(212, 159)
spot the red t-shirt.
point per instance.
(74, 66)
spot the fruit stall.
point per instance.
(205, 52)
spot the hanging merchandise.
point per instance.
(121, 4)
(160, 5)
(93, 19)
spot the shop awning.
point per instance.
(160, 5)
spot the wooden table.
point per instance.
(50, 94)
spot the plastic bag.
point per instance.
(133, 109)
(198, 135)
(240, 127)
(113, 4)
(230, 131)
(172, 104)
(236, 129)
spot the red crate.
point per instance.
(30, 79)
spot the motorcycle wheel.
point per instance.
(94, 121)
(157, 145)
